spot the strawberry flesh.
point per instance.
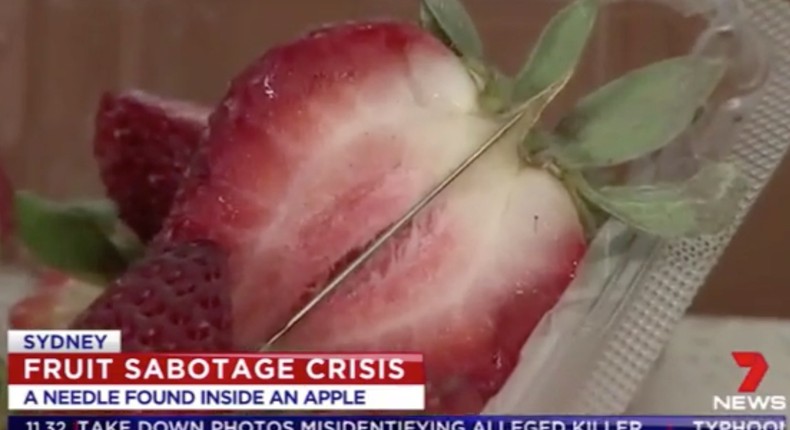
(143, 144)
(173, 300)
(324, 142)
(465, 284)
(318, 146)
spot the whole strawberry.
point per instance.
(143, 145)
(174, 299)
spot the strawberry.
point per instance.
(321, 144)
(174, 299)
(143, 144)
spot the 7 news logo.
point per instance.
(746, 399)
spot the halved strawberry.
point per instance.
(319, 146)
(143, 145)
(174, 299)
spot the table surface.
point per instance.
(697, 364)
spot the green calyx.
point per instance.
(628, 119)
(84, 238)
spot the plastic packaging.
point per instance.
(588, 355)
(601, 340)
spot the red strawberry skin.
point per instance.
(320, 145)
(143, 145)
(174, 300)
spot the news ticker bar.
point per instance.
(219, 422)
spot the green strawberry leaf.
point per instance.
(590, 215)
(705, 204)
(535, 142)
(530, 111)
(449, 21)
(559, 48)
(103, 212)
(75, 237)
(637, 114)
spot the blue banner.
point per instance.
(273, 422)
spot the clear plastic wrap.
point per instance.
(602, 339)
(592, 351)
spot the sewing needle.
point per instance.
(391, 231)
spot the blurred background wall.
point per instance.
(57, 56)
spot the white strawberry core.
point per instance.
(501, 230)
